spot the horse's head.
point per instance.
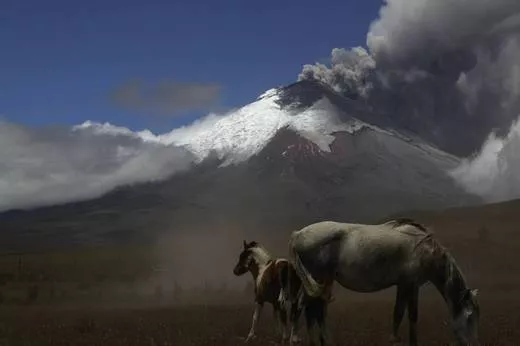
(246, 259)
(465, 324)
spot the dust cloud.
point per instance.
(203, 259)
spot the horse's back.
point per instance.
(369, 256)
(318, 233)
(389, 233)
(377, 256)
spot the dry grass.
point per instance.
(359, 322)
(490, 263)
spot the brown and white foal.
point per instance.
(275, 282)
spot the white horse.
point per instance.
(370, 258)
(275, 282)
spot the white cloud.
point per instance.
(495, 172)
(42, 166)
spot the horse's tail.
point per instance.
(311, 286)
(284, 282)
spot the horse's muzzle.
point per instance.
(239, 271)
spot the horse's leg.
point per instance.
(321, 314)
(401, 301)
(294, 299)
(256, 316)
(413, 314)
(310, 317)
(276, 315)
(295, 316)
(281, 316)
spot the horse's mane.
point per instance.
(254, 245)
(407, 221)
(443, 258)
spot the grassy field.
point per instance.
(108, 296)
(358, 322)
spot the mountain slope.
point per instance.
(292, 157)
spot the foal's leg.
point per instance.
(413, 314)
(401, 301)
(280, 314)
(256, 316)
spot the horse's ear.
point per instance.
(245, 245)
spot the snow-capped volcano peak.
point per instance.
(268, 93)
(242, 133)
(308, 109)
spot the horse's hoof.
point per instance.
(250, 337)
(394, 339)
(295, 340)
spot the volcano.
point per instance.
(296, 155)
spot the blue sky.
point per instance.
(60, 59)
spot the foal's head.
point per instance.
(252, 255)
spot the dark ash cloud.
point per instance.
(167, 97)
(418, 33)
(447, 70)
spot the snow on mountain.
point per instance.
(242, 133)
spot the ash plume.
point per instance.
(447, 70)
